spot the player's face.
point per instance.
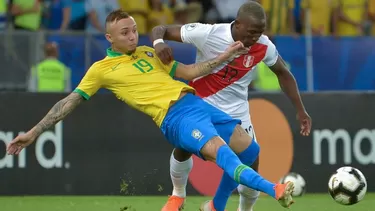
(123, 34)
(248, 30)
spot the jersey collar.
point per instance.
(111, 53)
(229, 32)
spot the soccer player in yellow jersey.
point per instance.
(137, 77)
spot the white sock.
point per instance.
(179, 174)
(248, 198)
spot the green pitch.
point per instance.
(321, 202)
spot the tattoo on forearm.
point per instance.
(204, 68)
(60, 110)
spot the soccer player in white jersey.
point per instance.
(227, 89)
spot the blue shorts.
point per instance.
(191, 122)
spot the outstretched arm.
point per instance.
(167, 32)
(189, 72)
(58, 112)
(192, 33)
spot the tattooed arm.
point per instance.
(189, 72)
(58, 112)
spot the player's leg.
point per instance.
(244, 146)
(216, 150)
(247, 153)
(248, 196)
(189, 127)
(181, 164)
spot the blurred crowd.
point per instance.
(285, 17)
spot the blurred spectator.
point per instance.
(53, 14)
(74, 15)
(371, 12)
(138, 9)
(3, 14)
(97, 11)
(188, 13)
(50, 75)
(280, 16)
(297, 15)
(27, 14)
(349, 17)
(227, 9)
(160, 14)
(320, 16)
(180, 14)
(195, 11)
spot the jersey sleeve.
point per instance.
(90, 83)
(170, 68)
(271, 55)
(195, 33)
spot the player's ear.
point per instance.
(237, 23)
(109, 38)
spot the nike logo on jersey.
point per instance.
(115, 67)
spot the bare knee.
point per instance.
(181, 155)
(240, 140)
(210, 149)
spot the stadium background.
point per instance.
(106, 148)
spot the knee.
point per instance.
(181, 155)
(250, 155)
(247, 192)
(239, 140)
(210, 149)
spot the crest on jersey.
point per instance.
(248, 61)
(148, 53)
(196, 134)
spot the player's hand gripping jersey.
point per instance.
(139, 79)
(227, 87)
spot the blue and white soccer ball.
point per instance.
(299, 183)
(347, 186)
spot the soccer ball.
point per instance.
(347, 185)
(299, 183)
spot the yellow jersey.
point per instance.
(320, 14)
(278, 14)
(140, 79)
(354, 10)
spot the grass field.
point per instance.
(322, 202)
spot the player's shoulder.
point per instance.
(96, 65)
(265, 40)
(206, 27)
